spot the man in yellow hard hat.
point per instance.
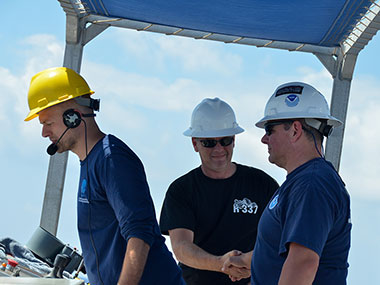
(118, 230)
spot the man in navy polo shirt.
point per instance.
(117, 225)
(304, 233)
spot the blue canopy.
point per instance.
(322, 22)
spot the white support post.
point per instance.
(53, 192)
(342, 70)
(339, 104)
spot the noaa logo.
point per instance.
(83, 192)
(292, 100)
(273, 203)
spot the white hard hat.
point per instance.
(297, 100)
(213, 118)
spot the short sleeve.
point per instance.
(308, 218)
(178, 209)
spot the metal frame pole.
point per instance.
(342, 70)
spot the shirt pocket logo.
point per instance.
(245, 206)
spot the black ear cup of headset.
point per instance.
(71, 118)
(325, 129)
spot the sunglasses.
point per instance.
(269, 126)
(209, 143)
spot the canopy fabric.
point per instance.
(323, 23)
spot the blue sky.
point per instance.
(148, 85)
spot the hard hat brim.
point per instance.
(213, 133)
(332, 121)
(34, 112)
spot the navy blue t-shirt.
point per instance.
(311, 208)
(114, 204)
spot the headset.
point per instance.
(321, 125)
(325, 129)
(71, 119)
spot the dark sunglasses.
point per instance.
(269, 126)
(209, 143)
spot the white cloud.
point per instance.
(193, 55)
(199, 55)
(250, 151)
(321, 80)
(149, 92)
(360, 157)
(121, 116)
(41, 51)
(8, 84)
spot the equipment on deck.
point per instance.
(43, 258)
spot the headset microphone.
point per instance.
(53, 148)
(71, 119)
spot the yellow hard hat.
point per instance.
(53, 86)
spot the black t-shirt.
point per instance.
(222, 213)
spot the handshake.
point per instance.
(236, 265)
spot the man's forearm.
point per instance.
(134, 262)
(300, 266)
(192, 255)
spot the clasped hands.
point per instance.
(237, 265)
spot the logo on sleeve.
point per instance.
(83, 192)
(273, 203)
(245, 206)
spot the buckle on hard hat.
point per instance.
(320, 125)
(94, 104)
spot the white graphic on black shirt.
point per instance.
(245, 206)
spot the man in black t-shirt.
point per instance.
(212, 212)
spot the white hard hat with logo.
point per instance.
(296, 100)
(213, 118)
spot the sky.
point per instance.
(148, 85)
